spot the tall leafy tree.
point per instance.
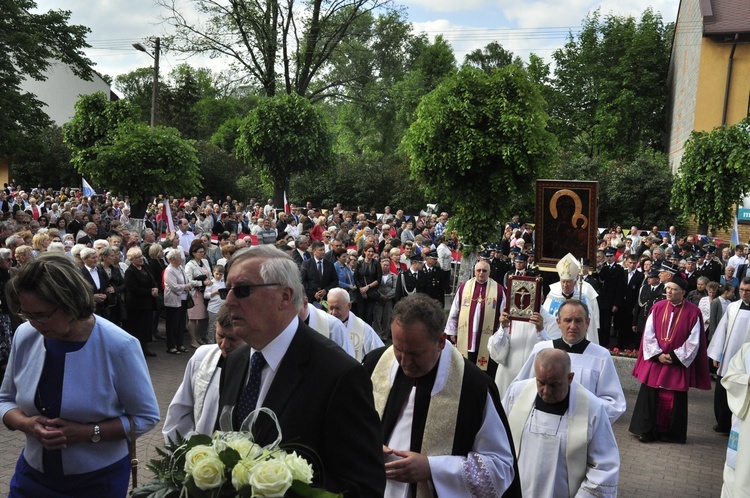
(113, 149)
(489, 58)
(283, 46)
(610, 86)
(46, 162)
(283, 136)
(30, 42)
(712, 178)
(479, 139)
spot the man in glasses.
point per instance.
(475, 316)
(560, 423)
(312, 385)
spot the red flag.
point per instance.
(286, 205)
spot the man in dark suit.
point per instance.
(322, 397)
(412, 280)
(98, 280)
(651, 290)
(610, 276)
(318, 274)
(632, 281)
(300, 254)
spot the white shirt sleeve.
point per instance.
(488, 468)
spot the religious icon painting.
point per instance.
(524, 297)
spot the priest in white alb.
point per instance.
(475, 316)
(732, 332)
(570, 287)
(326, 325)
(591, 363)
(363, 337)
(561, 432)
(736, 381)
(444, 430)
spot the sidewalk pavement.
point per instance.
(656, 469)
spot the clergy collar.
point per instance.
(744, 306)
(558, 408)
(578, 348)
(568, 296)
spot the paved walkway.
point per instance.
(656, 469)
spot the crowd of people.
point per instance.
(283, 308)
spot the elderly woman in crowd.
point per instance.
(199, 273)
(195, 405)
(24, 255)
(109, 261)
(176, 288)
(76, 385)
(141, 293)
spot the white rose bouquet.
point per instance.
(229, 464)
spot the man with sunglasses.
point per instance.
(322, 396)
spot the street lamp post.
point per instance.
(155, 56)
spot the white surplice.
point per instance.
(594, 370)
(452, 475)
(737, 465)
(510, 347)
(330, 327)
(732, 332)
(181, 412)
(543, 449)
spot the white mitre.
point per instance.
(568, 267)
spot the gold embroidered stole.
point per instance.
(490, 304)
(357, 335)
(576, 447)
(442, 414)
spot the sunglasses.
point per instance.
(241, 291)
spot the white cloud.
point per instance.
(451, 5)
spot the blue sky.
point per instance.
(538, 26)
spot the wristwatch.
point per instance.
(96, 437)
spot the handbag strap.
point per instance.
(133, 458)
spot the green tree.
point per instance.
(112, 149)
(489, 58)
(283, 136)
(220, 172)
(610, 89)
(46, 162)
(283, 47)
(712, 178)
(480, 139)
(30, 43)
(137, 88)
(139, 160)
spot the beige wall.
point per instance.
(714, 61)
(683, 78)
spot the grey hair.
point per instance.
(7, 253)
(277, 266)
(174, 254)
(87, 252)
(54, 246)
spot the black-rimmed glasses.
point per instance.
(242, 291)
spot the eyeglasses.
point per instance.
(242, 291)
(37, 317)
